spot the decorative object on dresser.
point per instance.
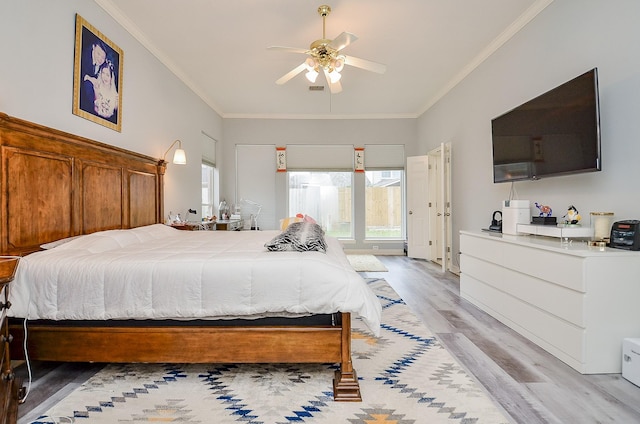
(544, 209)
(11, 392)
(572, 217)
(514, 212)
(496, 224)
(544, 218)
(626, 234)
(601, 223)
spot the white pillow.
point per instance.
(57, 243)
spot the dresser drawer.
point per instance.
(564, 270)
(557, 300)
(556, 335)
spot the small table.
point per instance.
(230, 225)
(11, 390)
(195, 225)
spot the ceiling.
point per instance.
(219, 49)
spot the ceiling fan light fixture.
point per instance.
(310, 63)
(324, 56)
(312, 75)
(334, 76)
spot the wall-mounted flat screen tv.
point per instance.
(556, 133)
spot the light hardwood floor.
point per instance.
(529, 384)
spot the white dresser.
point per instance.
(575, 301)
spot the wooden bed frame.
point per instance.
(56, 185)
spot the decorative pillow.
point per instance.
(307, 218)
(285, 222)
(300, 237)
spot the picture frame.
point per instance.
(97, 77)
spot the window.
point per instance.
(207, 190)
(324, 196)
(383, 202)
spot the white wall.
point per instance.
(568, 38)
(36, 84)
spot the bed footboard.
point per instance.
(206, 344)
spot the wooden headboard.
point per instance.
(56, 185)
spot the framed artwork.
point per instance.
(97, 77)
(281, 159)
(359, 159)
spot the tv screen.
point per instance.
(557, 133)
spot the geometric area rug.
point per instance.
(406, 376)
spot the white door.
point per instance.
(439, 202)
(417, 207)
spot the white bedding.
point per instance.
(158, 272)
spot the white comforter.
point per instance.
(157, 272)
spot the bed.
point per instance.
(70, 186)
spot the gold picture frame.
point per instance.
(97, 77)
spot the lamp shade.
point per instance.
(179, 157)
(334, 76)
(312, 75)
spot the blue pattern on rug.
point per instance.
(406, 377)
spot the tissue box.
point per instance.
(514, 212)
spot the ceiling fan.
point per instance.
(326, 56)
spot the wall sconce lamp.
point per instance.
(179, 157)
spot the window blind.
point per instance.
(310, 157)
(384, 156)
(208, 148)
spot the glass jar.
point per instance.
(601, 225)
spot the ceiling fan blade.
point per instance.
(334, 87)
(365, 64)
(342, 41)
(292, 73)
(289, 49)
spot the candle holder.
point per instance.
(601, 226)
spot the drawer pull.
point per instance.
(6, 339)
(5, 305)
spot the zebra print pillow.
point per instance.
(300, 237)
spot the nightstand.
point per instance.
(10, 389)
(195, 226)
(230, 225)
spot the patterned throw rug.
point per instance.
(406, 377)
